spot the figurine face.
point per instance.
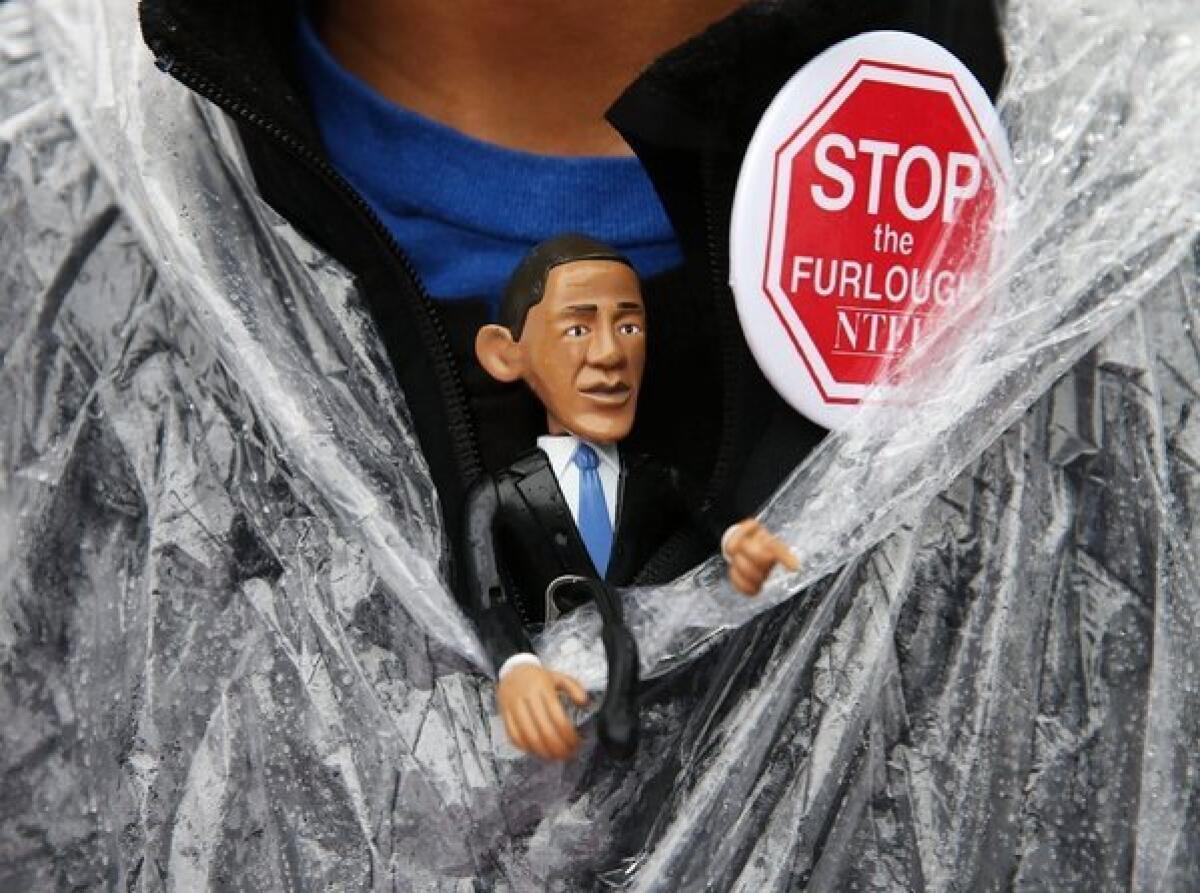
(582, 349)
(585, 345)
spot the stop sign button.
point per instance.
(864, 215)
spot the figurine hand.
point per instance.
(752, 553)
(533, 714)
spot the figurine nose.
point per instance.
(605, 349)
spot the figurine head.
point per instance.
(573, 328)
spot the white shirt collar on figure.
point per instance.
(560, 448)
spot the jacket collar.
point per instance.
(704, 99)
(710, 92)
(242, 51)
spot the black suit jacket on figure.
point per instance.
(520, 536)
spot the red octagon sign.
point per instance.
(863, 214)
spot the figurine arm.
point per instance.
(526, 692)
(750, 549)
(485, 599)
(752, 553)
(534, 718)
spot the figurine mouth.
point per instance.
(611, 393)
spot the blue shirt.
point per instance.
(466, 211)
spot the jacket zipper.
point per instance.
(461, 425)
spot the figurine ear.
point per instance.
(498, 353)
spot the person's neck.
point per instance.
(535, 75)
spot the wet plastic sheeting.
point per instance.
(228, 659)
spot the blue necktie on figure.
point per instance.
(594, 525)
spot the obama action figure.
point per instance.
(573, 328)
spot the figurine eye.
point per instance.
(630, 328)
(576, 331)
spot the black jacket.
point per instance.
(705, 407)
(519, 537)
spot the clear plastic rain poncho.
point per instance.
(228, 661)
